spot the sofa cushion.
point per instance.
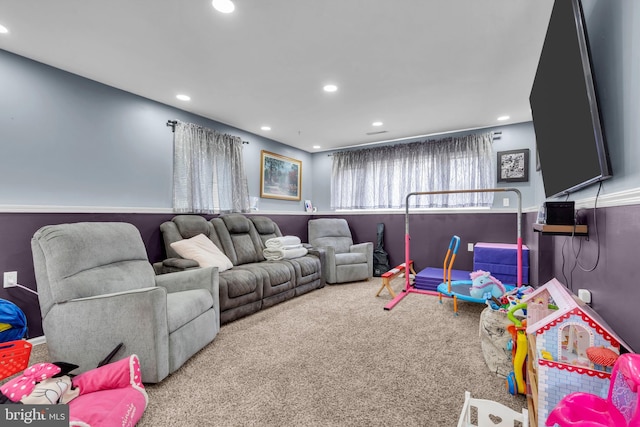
(238, 283)
(201, 249)
(238, 238)
(236, 224)
(191, 225)
(264, 225)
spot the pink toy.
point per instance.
(620, 409)
(110, 395)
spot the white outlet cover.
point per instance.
(584, 295)
(10, 278)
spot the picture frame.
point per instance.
(280, 177)
(513, 165)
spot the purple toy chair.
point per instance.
(620, 409)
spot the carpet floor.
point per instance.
(333, 357)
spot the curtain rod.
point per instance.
(496, 135)
(172, 124)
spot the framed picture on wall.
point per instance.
(513, 165)
(280, 177)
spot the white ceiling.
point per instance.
(420, 66)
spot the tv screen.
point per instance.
(570, 142)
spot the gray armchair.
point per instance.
(344, 260)
(97, 289)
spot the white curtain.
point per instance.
(208, 171)
(381, 177)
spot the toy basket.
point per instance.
(14, 357)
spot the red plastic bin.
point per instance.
(14, 357)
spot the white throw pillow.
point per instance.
(204, 251)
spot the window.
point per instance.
(208, 171)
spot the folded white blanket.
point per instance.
(275, 254)
(287, 247)
(280, 242)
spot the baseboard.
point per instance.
(38, 340)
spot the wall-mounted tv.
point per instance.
(569, 135)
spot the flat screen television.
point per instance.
(571, 146)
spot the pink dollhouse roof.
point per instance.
(568, 305)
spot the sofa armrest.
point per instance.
(136, 318)
(172, 265)
(180, 263)
(199, 278)
(321, 253)
(362, 247)
(329, 267)
(367, 249)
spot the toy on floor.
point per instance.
(490, 414)
(516, 382)
(14, 357)
(480, 287)
(112, 394)
(409, 288)
(485, 286)
(621, 408)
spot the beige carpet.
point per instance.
(333, 357)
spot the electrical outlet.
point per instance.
(470, 247)
(505, 202)
(10, 279)
(584, 295)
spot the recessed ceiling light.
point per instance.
(330, 88)
(182, 97)
(223, 6)
(376, 124)
(3, 29)
(316, 147)
(503, 118)
(266, 128)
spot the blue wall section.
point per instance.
(70, 141)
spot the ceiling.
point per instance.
(421, 67)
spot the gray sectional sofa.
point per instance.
(253, 283)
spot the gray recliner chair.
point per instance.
(97, 289)
(344, 260)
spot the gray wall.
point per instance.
(69, 141)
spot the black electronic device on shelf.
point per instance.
(560, 213)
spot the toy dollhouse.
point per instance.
(562, 332)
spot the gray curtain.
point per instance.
(208, 171)
(381, 177)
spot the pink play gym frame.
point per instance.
(408, 289)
